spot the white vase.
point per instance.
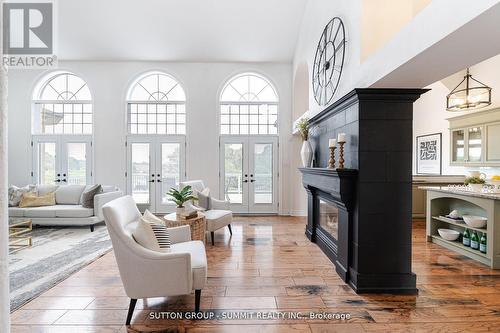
(306, 153)
(476, 187)
(180, 210)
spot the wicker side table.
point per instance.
(197, 224)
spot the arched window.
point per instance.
(249, 106)
(156, 105)
(62, 105)
(62, 121)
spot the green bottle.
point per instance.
(482, 243)
(466, 238)
(474, 241)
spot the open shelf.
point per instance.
(458, 224)
(462, 249)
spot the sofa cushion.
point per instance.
(69, 194)
(76, 211)
(16, 212)
(87, 198)
(203, 198)
(151, 234)
(46, 188)
(32, 200)
(47, 211)
(198, 260)
(16, 193)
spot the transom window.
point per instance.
(62, 104)
(249, 106)
(156, 105)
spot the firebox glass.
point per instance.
(328, 218)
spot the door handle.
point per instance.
(57, 180)
(158, 180)
(245, 181)
(152, 181)
(64, 180)
(252, 180)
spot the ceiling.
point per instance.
(179, 30)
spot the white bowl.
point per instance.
(449, 234)
(475, 221)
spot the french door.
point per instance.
(249, 173)
(62, 160)
(155, 165)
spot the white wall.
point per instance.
(429, 117)
(109, 81)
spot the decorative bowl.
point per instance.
(475, 221)
(448, 234)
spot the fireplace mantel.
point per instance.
(339, 183)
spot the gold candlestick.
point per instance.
(341, 160)
(331, 162)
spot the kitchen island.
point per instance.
(442, 200)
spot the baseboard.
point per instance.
(298, 213)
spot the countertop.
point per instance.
(438, 179)
(483, 195)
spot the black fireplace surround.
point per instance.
(369, 215)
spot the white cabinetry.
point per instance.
(475, 139)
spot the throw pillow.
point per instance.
(204, 198)
(152, 235)
(32, 200)
(16, 193)
(88, 195)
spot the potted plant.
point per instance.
(306, 153)
(181, 197)
(475, 183)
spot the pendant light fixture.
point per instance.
(468, 94)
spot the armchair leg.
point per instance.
(91, 228)
(212, 235)
(130, 310)
(230, 230)
(197, 299)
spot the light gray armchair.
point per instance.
(147, 273)
(218, 216)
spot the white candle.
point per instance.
(332, 143)
(341, 137)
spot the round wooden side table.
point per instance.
(197, 224)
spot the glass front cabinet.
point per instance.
(475, 145)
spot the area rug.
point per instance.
(57, 252)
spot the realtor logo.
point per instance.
(28, 34)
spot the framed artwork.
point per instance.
(429, 154)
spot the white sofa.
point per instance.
(146, 273)
(68, 209)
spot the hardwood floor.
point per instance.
(267, 266)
